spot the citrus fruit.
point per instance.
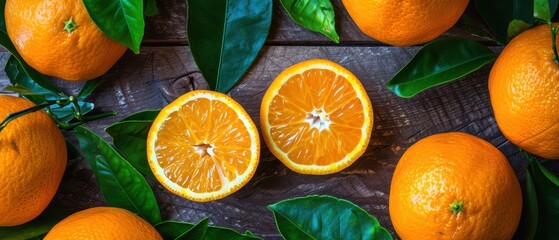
(524, 91)
(203, 146)
(57, 38)
(32, 162)
(316, 117)
(103, 223)
(405, 22)
(454, 186)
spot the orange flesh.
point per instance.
(316, 118)
(196, 144)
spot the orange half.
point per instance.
(203, 146)
(316, 117)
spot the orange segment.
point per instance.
(316, 117)
(203, 146)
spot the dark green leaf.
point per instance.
(516, 27)
(124, 187)
(73, 152)
(315, 15)
(471, 26)
(120, 183)
(546, 187)
(325, 217)
(225, 37)
(545, 9)
(89, 87)
(120, 20)
(130, 137)
(38, 227)
(19, 77)
(439, 62)
(142, 115)
(150, 8)
(498, 14)
(529, 221)
(198, 231)
(174, 229)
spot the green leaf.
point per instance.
(130, 138)
(315, 15)
(120, 20)
(546, 186)
(66, 113)
(225, 37)
(198, 231)
(529, 220)
(19, 77)
(150, 8)
(499, 13)
(121, 185)
(73, 152)
(124, 187)
(325, 217)
(439, 62)
(36, 228)
(516, 27)
(174, 229)
(89, 87)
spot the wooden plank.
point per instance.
(169, 27)
(160, 74)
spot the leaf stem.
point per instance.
(554, 41)
(86, 119)
(13, 116)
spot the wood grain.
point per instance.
(169, 28)
(157, 75)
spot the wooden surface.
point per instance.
(165, 66)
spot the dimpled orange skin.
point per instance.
(524, 90)
(103, 223)
(32, 162)
(442, 168)
(405, 22)
(36, 27)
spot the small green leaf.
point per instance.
(89, 87)
(198, 231)
(150, 8)
(516, 27)
(325, 217)
(66, 113)
(315, 15)
(498, 14)
(545, 9)
(174, 229)
(124, 187)
(120, 20)
(439, 62)
(36, 228)
(130, 138)
(544, 204)
(226, 36)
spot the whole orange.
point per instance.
(32, 162)
(103, 223)
(405, 22)
(454, 186)
(57, 38)
(524, 90)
